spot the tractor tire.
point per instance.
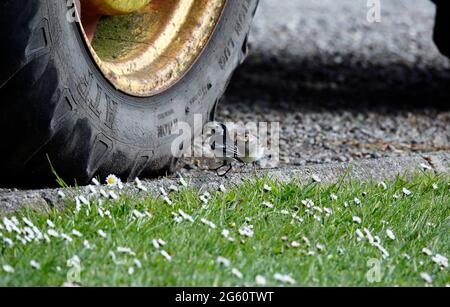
(442, 26)
(49, 83)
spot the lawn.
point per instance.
(256, 234)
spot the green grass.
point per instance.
(418, 221)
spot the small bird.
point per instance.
(230, 144)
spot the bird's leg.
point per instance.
(225, 164)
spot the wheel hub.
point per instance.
(143, 47)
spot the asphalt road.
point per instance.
(342, 88)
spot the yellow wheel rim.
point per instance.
(149, 45)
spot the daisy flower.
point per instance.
(155, 244)
(435, 186)
(390, 234)
(66, 237)
(186, 216)
(125, 250)
(208, 223)
(50, 224)
(168, 201)
(426, 277)
(112, 181)
(102, 234)
(61, 194)
(223, 261)
(383, 185)
(316, 178)
(53, 233)
(35, 265)
(286, 279)
(406, 192)
(268, 205)
(440, 260)
(95, 182)
(295, 244)
(357, 220)
(113, 195)
(237, 273)
(426, 167)
(261, 280)
(8, 269)
(247, 231)
(427, 252)
(166, 255)
(173, 188)
(183, 182)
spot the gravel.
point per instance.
(344, 89)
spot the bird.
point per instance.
(230, 143)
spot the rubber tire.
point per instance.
(442, 26)
(56, 105)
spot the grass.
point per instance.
(334, 258)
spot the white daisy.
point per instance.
(357, 220)
(162, 191)
(320, 247)
(261, 280)
(113, 195)
(427, 277)
(139, 215)
(435, 186)
(208, 223)
(426, 167)
(183, 182)
(112, 181)
(173, 188)
(8, 269)
(86, 244)
(125, 250)
(237, 273)
(440, 260)
(359, 235)
(427, 252)
(50, 224)
(137, 263)
(247, 231)
(186, 216)
(168, 201)
(307, 242)
(295, 244)
(390, 234)
(316, 178)
(166, 255)
(102, 234)
(155, 244)
(406, 192)
(103, 193)
(35, 265)
(95, 182)
(268, 205)
(61, 194)
(223, 261)
(383, 185)
(66, 237)
(53, 233)
(286, 279)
